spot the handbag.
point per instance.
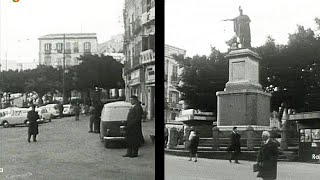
(256, 167)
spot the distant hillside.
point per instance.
(114, 45)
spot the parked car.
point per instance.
(53, 109)
(113, 119)
(43, 114)
(68, 110)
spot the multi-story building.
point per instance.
(172, 72)
(54, 47)
(139, 50)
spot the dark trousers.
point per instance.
(234, 155)
(76, 117)
(91, 122)
(34, 137)
(132, 150)
(97, 125)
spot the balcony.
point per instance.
(148, 16)
(135, 81)
(147, 56)
(144, 18)
(151, 14)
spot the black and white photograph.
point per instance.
(77, 89)
(242, 90)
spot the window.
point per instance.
(76, 47)
(47, 60)
(87, 47)
(68, 48)
(59, 62)
(47, 48)
(59, 47)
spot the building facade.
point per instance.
(172, 72)
(139, 50)
(53, 48)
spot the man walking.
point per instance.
(33, 116)
(134, 130)
(234, 148)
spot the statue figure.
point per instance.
(242, 29)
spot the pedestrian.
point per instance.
(86, 109)
(60, 107)
(144, 116)
(76, 110)
(134, 130)
(194, 143)
(267, 157)
(166, 135)
(234, 147)
(98, 108)
(92, 118)
(32, 117)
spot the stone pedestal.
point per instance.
(243, 102)
(215, 138)
(173, 138)
(250, 137)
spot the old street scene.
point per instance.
(77, 91)
(242, 90)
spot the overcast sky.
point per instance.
(24, 22)
(194, 25)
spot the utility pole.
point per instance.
(63, 69)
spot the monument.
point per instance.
(243, 103)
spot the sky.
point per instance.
(196, 25)
(23, 22)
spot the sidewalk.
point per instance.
(180, 168)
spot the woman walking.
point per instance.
(194, 142)
(32, 117)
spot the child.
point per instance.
(194, 142)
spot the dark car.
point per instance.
(113, 119)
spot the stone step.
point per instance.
(244, 155)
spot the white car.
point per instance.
(43, 114)
(15, 116)
(68, 110)
(53, 110)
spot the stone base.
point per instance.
(245, 127)
(243, 107)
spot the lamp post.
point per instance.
(63, 73)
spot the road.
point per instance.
(65, 150)
(177, 167)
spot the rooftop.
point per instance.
(69, 35)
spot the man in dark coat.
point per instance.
(234, 148)
(98, 108)
(33, 116)
(133, 128)
(267, 157)
(92, 118)
(76, 110)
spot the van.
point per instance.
(113, 120)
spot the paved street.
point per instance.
(65, 150)
(177, 168)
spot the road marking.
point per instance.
(19, 175)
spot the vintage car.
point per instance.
(113, 119)
(68, 110)
(18, 116)
(53, 110)
(44, 114)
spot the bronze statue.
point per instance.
(242, 29)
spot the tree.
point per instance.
(202, 77)
(42, 80)
(104, 72)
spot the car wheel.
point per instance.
(6, 124)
